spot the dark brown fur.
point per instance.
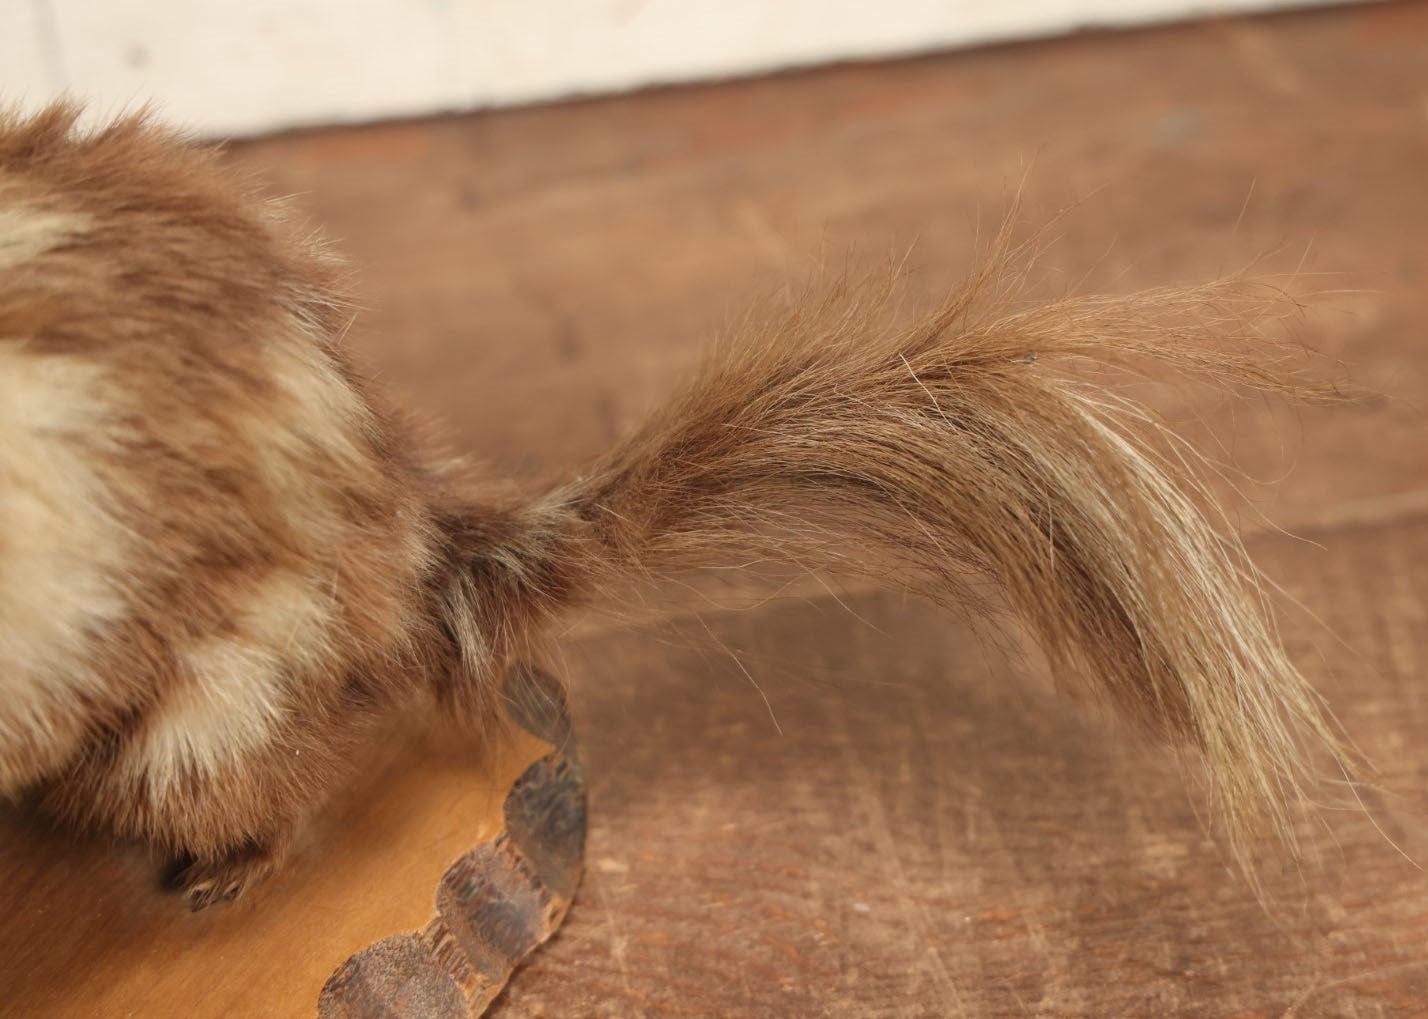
(273, 568)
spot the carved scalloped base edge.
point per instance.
(497, 903)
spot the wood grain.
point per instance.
(917, 824)
(922, 827)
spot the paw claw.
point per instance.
(208, 882)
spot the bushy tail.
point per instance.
(969, 446)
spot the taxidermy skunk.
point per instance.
(224, 564)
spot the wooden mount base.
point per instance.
(497, 903)
(88, 930)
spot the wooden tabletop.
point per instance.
(855, 805)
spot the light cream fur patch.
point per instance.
(62, 553)
(239, 686)
(307, 437)
(315, 433)
(27, 233)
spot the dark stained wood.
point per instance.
(578, 257)
(930, 830)
(913, 824)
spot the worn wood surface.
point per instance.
(914, 824)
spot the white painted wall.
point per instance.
(233, 67)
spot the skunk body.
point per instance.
(223, 563)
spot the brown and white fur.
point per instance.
(223, 564)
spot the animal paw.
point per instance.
(207, 881)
